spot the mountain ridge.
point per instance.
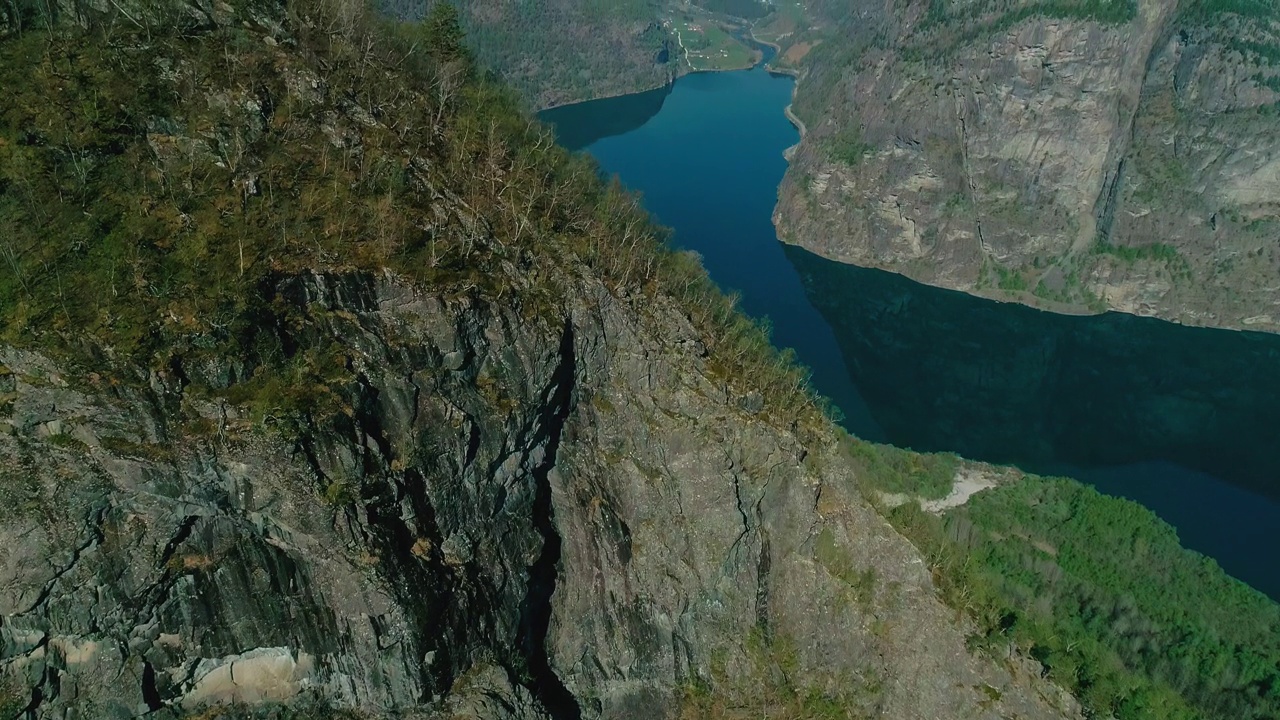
(331, 387)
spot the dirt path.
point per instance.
(967, 483)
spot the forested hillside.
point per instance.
(1095, 588)
(556, 52)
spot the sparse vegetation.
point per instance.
(949, 25)
(300, 710)
(836, 560)
(1155, 252)
(927, 475)
(13, 699)
(846, 146)
(156, 197)
(780, 690)
(1010, 280)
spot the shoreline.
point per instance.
(799, 125)
(539, 109)
(795, 121)
(680, 72)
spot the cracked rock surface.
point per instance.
(515, 520)
(1064, 162)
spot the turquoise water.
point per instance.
(1183, 420)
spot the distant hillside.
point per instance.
(1072, 154)
(556, 52)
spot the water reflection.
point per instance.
(946, 370)
(578, 126)
(1134, 405)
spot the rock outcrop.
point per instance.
(1076, 157)
(510, 519)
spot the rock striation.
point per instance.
(1078, 157)
(512, 520)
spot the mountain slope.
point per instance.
(1076, 156)
(331, 387)
(556, 52)
(334, 389)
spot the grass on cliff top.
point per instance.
(161, 173)
(775, 687)
(894, 470)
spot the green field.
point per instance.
(708, 46)
(787, 20)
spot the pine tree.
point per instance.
(444, 33)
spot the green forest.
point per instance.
(1098, 590)
(556, 52)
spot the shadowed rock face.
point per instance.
(942, 370)
(1005, 158)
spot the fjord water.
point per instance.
(708, 162)
(1183, 420)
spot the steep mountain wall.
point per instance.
(508, 519)
(1073, 156)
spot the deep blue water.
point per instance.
(1185, 421)
(708, 164)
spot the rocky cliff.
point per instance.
(1077, 156)
(507, 520)
(332, 389)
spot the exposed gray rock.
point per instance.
(1002, 159)
(574, 521)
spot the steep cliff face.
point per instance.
(331, 388)
(1075, 156)
(507, 519)
(1201, 177)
